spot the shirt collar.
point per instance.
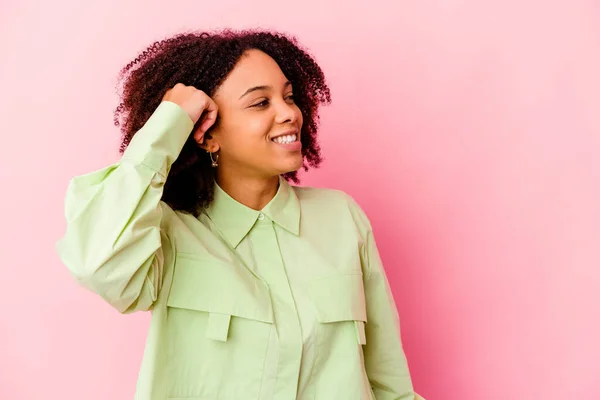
(235, 220)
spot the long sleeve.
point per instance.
(385, 360)
(113, 243)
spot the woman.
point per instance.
(258, 289)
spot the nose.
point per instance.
(286, 112)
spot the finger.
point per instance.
(199, 136)
(209, 117)
(202, 127)
(208, 120)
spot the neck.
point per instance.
(254, 193)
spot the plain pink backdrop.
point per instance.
(469, 131)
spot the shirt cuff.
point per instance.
(158, 143)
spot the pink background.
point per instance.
(468, 130)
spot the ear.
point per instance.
(209, 142)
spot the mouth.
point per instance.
(289, 141)
(286, 137)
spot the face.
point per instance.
(258, 128)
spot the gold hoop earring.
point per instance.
(215, 163)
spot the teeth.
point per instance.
(285, 139)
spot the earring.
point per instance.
(215, 163)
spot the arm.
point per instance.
(113, 243)
(385, 361)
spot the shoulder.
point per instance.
(323, 197)
(332, 203)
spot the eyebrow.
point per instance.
(263, 87)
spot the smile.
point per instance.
(285, 139)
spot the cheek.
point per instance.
(247, 135)
(246, 128)
(256, 127)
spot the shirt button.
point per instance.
(261, 216)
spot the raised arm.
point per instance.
(114, 244)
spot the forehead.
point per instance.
(255, 68)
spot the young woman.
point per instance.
(259, 290)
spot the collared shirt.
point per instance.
(289, 302)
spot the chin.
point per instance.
(293, 167)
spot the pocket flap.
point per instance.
(218, 326)
(360, 332)
(339, 298)
(216, 287)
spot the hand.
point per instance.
(199, 106)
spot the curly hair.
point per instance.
(204, 60)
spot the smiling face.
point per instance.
(257, 134)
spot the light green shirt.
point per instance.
(290, 302)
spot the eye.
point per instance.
(261, 104)
(290, 97)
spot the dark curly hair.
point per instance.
(204, 60)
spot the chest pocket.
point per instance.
(219, 321)
(340, 306)
(341, 298)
